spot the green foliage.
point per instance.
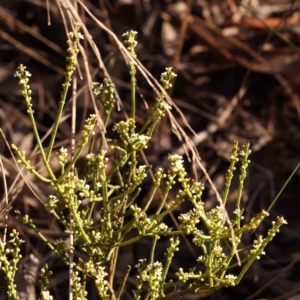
(10, 266)
(122, 222)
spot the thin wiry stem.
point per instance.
(71, 224)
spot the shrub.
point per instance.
(112, 194)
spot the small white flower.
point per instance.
(168, 106)
(80, 35)
(64, 150)
(230, 276)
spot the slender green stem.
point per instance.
(191, 289)
(117, 166)
(150, 199)
(26, 92)
(133, 198)
(123, 282)
(153, 246)
(30, 168)
(106, 207)
(73, 50)
(153, 125)
(169, 256)
(285, 184)
(147, 122)
(243, 173)
(113, 265)
(58, 115)
(164, 197)
(122, 195)
(164, 213)
(229, 175)
(78, 222)
(70, 165)
(90, 211)
(131, 241)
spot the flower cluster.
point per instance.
(131, 141)
(166, 78)
(152, 274)
(104, 92)
(10, 266)
(62, 157)
(130, 41)
(24, 75)
(88, 129)
(44, 282)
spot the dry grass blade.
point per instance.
(4, 207)
(30, 52)
(12, 21)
